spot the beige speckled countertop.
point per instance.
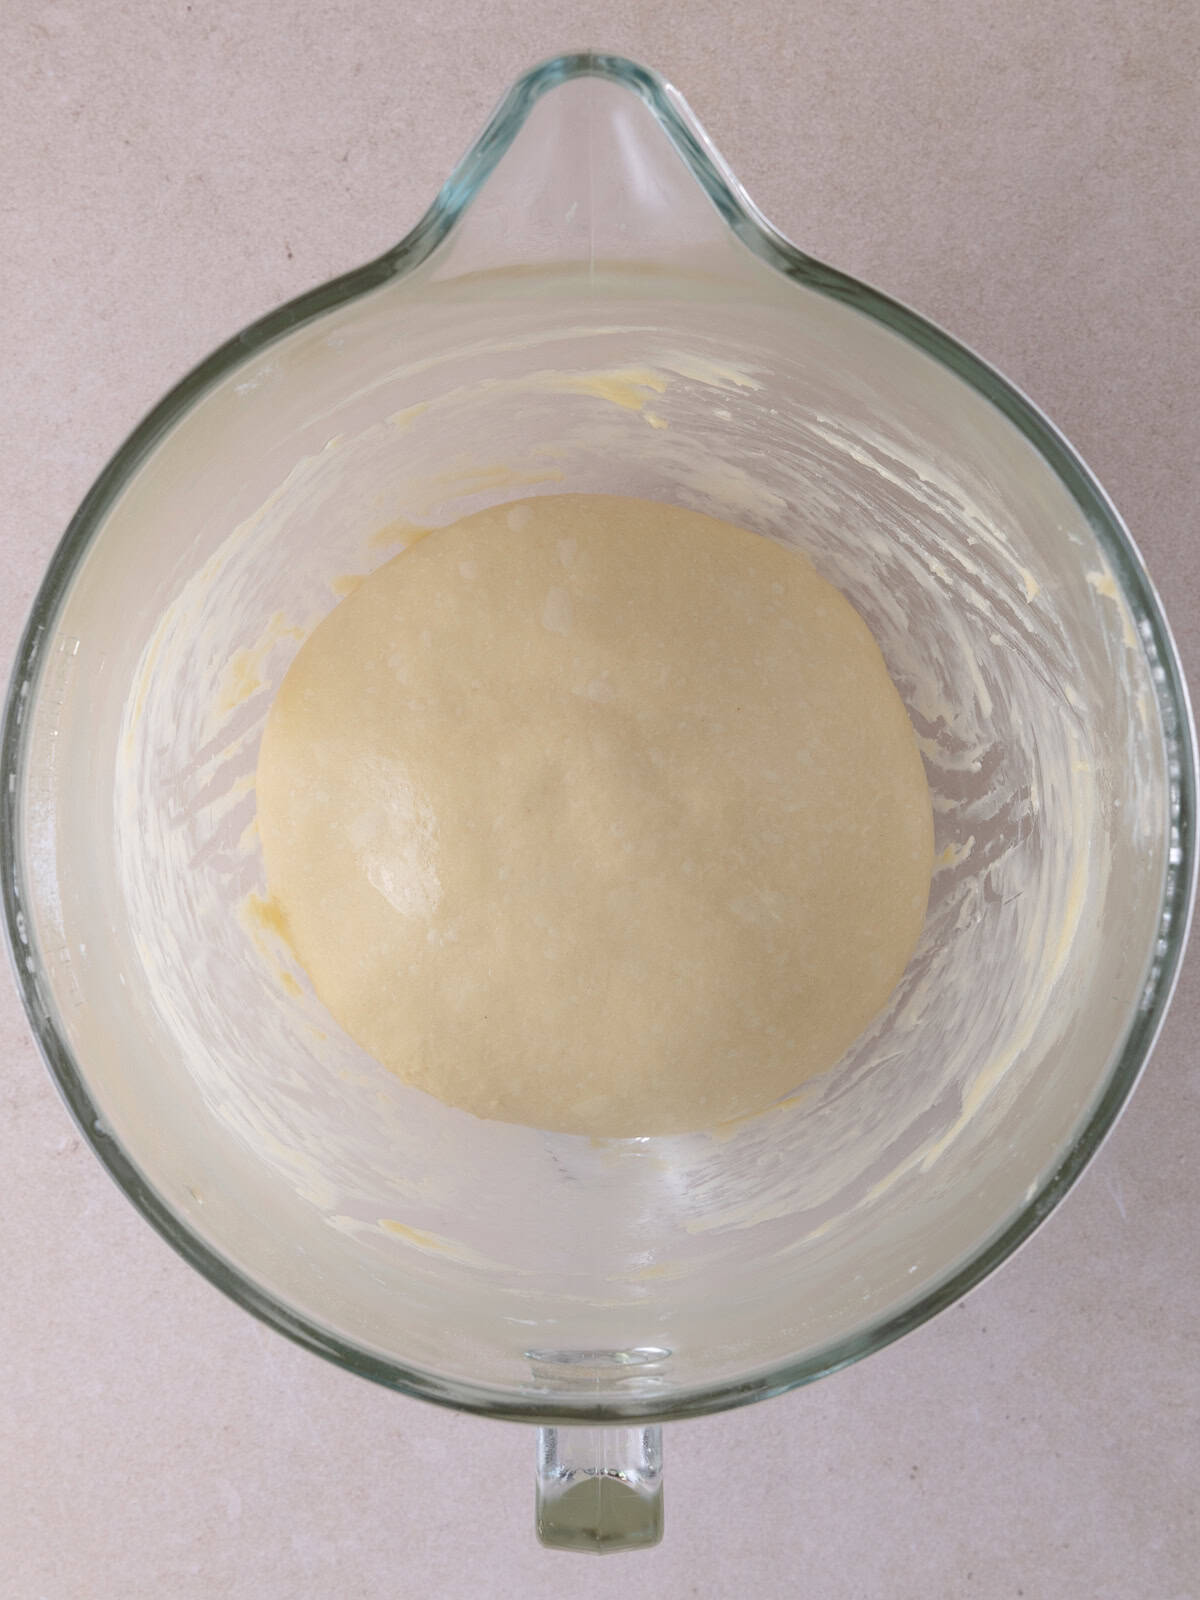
(1026, 175)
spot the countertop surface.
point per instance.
(1025, 175)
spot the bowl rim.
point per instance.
(745, 221)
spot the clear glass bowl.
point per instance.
(593, 303)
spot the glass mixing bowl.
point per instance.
(593, 303)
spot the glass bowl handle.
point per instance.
(599, 1489)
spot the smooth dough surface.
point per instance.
(597, 814)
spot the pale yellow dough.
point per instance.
(598, 815)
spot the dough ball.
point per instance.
(598, 815)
